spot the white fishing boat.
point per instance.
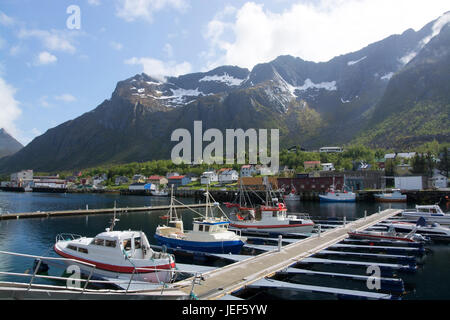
(117, 254)
(432, 213)
(333, 195)
(159, 193)
(271, 217)
(292, 196)
(209, 234)
(394, 196)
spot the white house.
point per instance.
(265, 171)
(208, 176)
(331, 149)
(438, 180)
(228, 176)
(406, 155)
(409, 183)
(327, 166)
(389, 156)
(248, 170)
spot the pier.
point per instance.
(250, 271)
(46, 214)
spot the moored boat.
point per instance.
(159, 193)
(391, 234)
(209, 234)
(333, 195)
(292, 196)
(394, 196)
(117, 254)
(271, 217)
(432, 230)
(432, 213)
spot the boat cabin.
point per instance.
(429, 209)
(132, 243)
(210, 227)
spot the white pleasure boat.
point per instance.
(432, 213)
(117, 254)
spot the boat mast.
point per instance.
(172, 211)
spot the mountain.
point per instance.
(8, 145)
(393, 93)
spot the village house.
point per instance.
(208, 176)
(228, 176)
(311, 165)
(178, 181)
(139, 178)
(121, 180)
(157, 180)
(327, 166)
(247, 170)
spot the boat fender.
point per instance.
(42, 268)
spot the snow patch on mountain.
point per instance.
(435, 30)
(225, 78)
(351, 63)
(330, 86)
(387, 76)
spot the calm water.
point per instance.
(37, 236)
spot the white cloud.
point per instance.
(315, 31)
(45, 58)
(6, 20)
(131, 10)
(116, 45)
(14, 50)
(10, 110)
(159, 69)
(168, 49)
(65, 98)
(53, 40)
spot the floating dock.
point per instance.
(79, 212)
(255, 269)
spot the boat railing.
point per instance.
(41, 259)
(67, 237)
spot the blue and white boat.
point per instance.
(209, 234)
(334, 195)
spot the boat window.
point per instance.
(110, 243)
(200, 227)
(99, 242)
(137, 243)
(206, 228)
(127, 244)
(83, 250)
(71, 247)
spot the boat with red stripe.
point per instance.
(117, 254)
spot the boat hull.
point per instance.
(430, 218)
(324, 198)
(229, 246)
(162, 273)
(374, 236)
(281, 228)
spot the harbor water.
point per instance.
(37, 236)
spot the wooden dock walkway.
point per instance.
(45, 214)
(226, 280)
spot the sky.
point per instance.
(62, 58)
